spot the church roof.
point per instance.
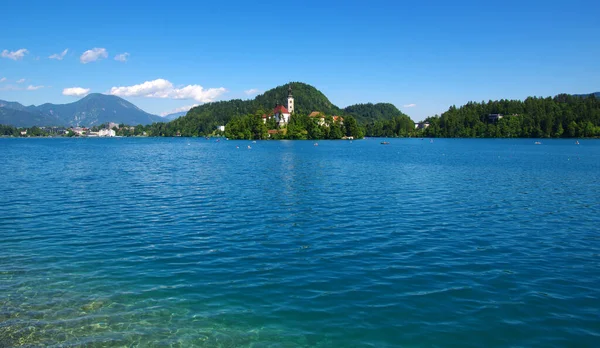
(314, 114)
(281, 109)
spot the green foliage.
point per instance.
(300, 127)
(367, 113)
(398, 126)
(562, 116)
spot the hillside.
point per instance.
(91, 110)
(564, 116)
(25, 118)
(595, 94)
(96, 108)
(204, 119)
(367, 113)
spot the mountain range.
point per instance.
(94, 109)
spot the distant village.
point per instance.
(109, 129)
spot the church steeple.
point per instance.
(290, 100)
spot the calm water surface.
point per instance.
(192, 242)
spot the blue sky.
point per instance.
(422, 56)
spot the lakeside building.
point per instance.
(79, 130)
(495, 117)
(107, 133)
(321, 118)
(280, 112)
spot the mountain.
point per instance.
(94, 109)
(25, 118)
(204, 119)
(174, 116)
(595, 94)
(15, 106)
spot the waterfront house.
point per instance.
(106, 132)
(321, 118)
(78, 130)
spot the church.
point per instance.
(281, 113)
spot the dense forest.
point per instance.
(562, 116)
(300, 127)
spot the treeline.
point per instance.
(559, 117)
(300, 127)
(398, 126)
(10, 131)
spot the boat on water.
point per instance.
(577, 142)
(385, 143)
(538, 143)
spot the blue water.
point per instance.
(192, 242)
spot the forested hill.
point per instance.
(366, 113)
(204, 119)
(562, 116)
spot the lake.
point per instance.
(194, 242)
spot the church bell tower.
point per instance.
(290, 105)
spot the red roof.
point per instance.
(264, 116)
(281, 109)
(273, 131)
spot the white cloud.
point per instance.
(33, 88)
(252, 91)
(76, 91)
(122, 57)
(183, 108)
(161, 88)
(93, 55)
(410, 105)
(15, 55)
(59, 56)
(20, 81)
(3, 79)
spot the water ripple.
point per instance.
(154, 242)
